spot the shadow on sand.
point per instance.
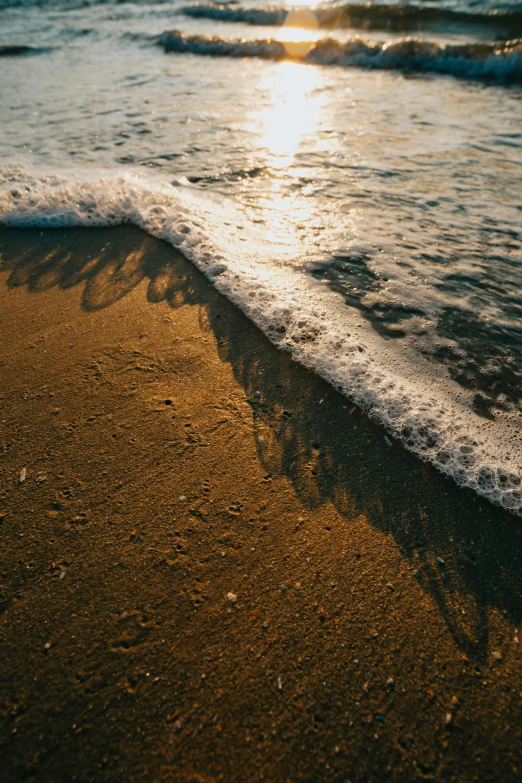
(312, 434)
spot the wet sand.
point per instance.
(174, 457)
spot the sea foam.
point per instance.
(296, 314)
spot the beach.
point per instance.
(215, 567)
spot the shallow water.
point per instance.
(361, 203)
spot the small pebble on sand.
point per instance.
(232, 597)
(22, 476)
(182, 498)
(449, 718)
(440, 560)
(280, 683)
(497, 656)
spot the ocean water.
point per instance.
(349, 175)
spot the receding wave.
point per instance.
(396, 18)
(297, 316)
(502, 63)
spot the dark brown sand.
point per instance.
(174, 456)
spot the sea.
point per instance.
(349, 175)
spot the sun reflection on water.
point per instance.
(300, 26)
(293, 112)
(288, 126)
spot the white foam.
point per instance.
(296, 314)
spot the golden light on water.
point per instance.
(287, 126)
(294, 110)
(293, 34)
(295, 97)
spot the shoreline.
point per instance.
(443, 414)
(130, 383)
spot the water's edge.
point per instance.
(434, 428)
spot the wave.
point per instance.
(21, 49)
(70, 5)
(502, 63)
(396, 18)
(295, 314)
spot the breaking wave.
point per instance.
(396, 18)
(296, 315)
(502, 63)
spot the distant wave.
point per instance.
(16, 51)
(502, 63)
(396, 18)
(68, 5)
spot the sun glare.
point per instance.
(287, 126)
(294, 110)
(295, 33)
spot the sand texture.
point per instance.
(172, 457)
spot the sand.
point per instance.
(216, 569)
